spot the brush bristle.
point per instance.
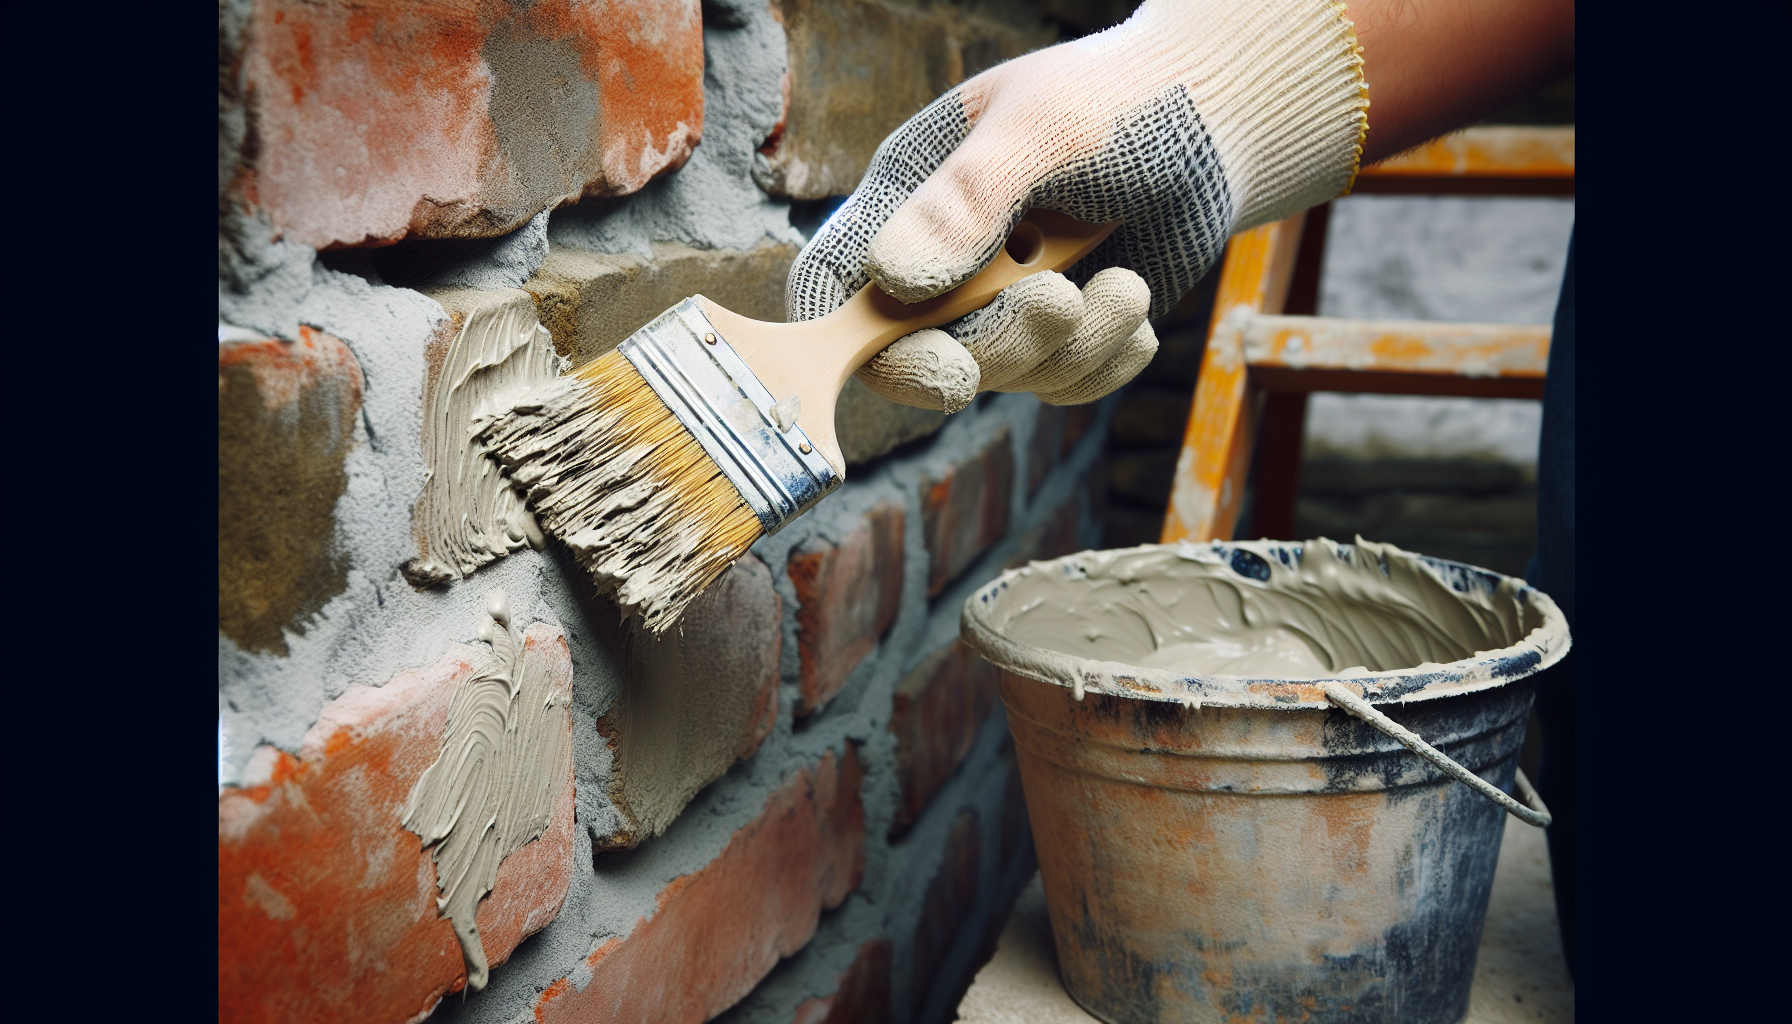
(609, 470)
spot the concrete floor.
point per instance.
(1520, 977)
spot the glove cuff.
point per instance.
(1280, 85)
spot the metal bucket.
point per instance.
(1217, 848)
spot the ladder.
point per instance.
(1266, 352)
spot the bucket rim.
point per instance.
(1543, 647)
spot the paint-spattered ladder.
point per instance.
(1266, 353)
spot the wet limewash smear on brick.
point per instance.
(492, 789)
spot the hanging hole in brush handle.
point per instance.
(1042, 240)
(1533, 814)
(1026, 243)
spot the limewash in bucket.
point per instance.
(1207, 798)
(1333, 610)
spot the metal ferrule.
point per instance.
(721, 402)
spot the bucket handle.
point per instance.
(1535, 814)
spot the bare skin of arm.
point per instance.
(1437, 65)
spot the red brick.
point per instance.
(715, 933)
(864, 993)
(1095, 483)
(1055, 433)
(859, 68)
(1056, 536)
(375, 120)
(849, 594)
(326, 904)
(1014, 825)
(965, 510)
(1077, 421)
(286, 423)
(694, 701)
(1043, 445)
(939, 707)
(950, 896)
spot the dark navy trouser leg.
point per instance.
(1552, 571)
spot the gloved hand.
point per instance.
(1192, 120)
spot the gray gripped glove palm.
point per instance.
(1193, 119)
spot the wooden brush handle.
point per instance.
(1043, 240)
(813, 359)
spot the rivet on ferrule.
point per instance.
(693, 370)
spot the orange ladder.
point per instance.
(1266, 353)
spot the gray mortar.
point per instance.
(379, 626)
(712, 203)
(897, 876)
(814, 970)
(233, 21)
(624, 886)
(503, 262)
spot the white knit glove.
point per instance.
(1192, 120)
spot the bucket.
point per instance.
(1267, 781)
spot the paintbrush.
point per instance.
(660, 462)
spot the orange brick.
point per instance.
(950, 897)
(326, 904)
(1014, 826)
(849, 595)
(715, 933)
(1056, 536)
(286, 423)
(1077, 421)
(375, 120)
(695, 700)
(965, 510)
(1043, 445)
(864, 993)
(938, 709)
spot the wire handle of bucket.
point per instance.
(1535, 814)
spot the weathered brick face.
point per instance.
(326, 903)
(1055, 433)
(849, 594)
(1015, 829)
(695, 700)
(591, 302)
(864, 993)
(718, 766)
(951, 896)
(286, 422)
(1052, 538)
(716, 932)
(965, 509)
(372, 122)
(860, 68)
(938, 710)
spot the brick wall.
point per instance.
(802, 806)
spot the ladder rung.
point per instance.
(1497, 159)
(1388, 346)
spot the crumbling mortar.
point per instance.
(979, 786)
(976, 786)
(378, 626)
(712, 202)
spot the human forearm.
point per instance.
(1436, 65)
(1191, 121)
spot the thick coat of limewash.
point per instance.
(1264, 623)
(469, 513)
(1337, 612)
(492, 789)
